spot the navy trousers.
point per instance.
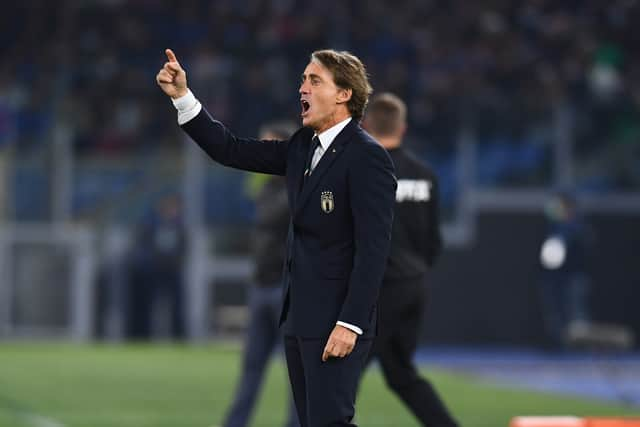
(324, 392)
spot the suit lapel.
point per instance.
(331, 154)
(297, 173)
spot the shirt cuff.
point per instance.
(354, 328)
(188, 107)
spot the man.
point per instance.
(268, 249)
(156, 267)
(564, 257)
(341, 191)
(415, 245)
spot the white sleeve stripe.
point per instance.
(354, 328)
(188, 107)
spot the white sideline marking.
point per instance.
(40, 421)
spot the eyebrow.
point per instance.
(311, 76)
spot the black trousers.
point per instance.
(401, 308)
(324, 392)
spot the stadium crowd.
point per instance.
(499, 67)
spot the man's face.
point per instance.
(322, 102)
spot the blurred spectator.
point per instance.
(156, 273)
(7, 138)
(500, 68)
(564, 257)
(268, 250)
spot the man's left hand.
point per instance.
(340, 343)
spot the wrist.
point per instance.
(184, 101)
(188, 107)
(350, 327)
(180, 93)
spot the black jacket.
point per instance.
(270, 235)
(416, 240)
(341, 220)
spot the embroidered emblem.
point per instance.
(326, 201)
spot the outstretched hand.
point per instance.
(172, 79)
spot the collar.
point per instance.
(327, 137)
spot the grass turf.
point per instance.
(180, 386)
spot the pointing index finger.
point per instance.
(171, 56)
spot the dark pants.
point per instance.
(324, 392)
(564, 301)
(401, 308)
(263, 335)
(148, 285)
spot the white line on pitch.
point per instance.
(39, 421)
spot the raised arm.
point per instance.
(211, 135)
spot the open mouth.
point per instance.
(305, 106)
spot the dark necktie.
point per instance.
(315, 142)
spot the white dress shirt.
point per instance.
(326, 138)
(188, 107)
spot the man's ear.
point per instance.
(344, 95)
(403, 129)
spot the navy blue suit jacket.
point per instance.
(340, 220)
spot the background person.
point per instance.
(563, 259)
(415, 244)
(268, 249)
(155, 306)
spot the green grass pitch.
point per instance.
(183, 386)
